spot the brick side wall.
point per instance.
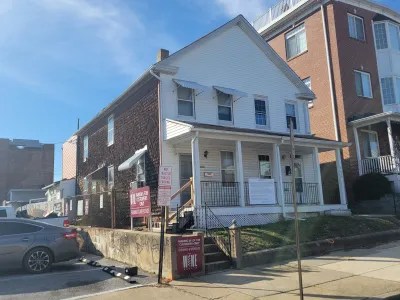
(69, 158)
(312, 64)
(135, 125)
(29, 168)
(347, 55)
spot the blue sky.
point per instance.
(67, 59)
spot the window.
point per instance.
(110, 177)
(381, 41)
(307, 82)
(227, 166)
(110, 126)
(356, 27)
(85, 148)
(224, 107)
(363, 84)
(398, 89)
(296, 41)
(291, 115)
(185, 102)
(388, 90)
(370, 143)
(10, 228)
(394, 36)
(265, 166)
(85, 185)
(260, 107)
(3, 213)
(140, 170)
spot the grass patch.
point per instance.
(312, 229)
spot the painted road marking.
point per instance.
(109, 291)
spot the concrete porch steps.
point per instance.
(215, 258)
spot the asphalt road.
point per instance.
(66, 280)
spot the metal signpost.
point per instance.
(163, 200)
(296, 219)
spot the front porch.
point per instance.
(247, 177)
(377, 143)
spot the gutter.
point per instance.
(279, 139)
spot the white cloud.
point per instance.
(113, 25)
(43, 43)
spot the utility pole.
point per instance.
(296, 217)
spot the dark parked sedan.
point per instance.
(35, 245)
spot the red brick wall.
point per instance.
(347, 54)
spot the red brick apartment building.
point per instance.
(348, 53)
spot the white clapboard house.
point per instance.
(225, 104)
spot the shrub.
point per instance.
(371, 187)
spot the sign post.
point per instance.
(296, 217)
(163, 200)
(140, 203)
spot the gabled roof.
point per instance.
(247, 28)
(305, 92)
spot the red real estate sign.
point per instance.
(140, 202)
(189, 252)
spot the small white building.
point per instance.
(59, 190)
(225, 104)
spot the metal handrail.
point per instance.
(210, 233)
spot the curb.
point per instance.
(317, 248)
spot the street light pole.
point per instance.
(296, 217)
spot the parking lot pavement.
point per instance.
(66, 280)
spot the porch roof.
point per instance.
(377, 118)
(281, 137)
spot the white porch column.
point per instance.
(342, 187)
(318, 176)
(390, 136)
(357, 142)
(277, 171)
(196, 170)
(239, 172)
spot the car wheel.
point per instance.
(38, 260)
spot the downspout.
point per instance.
(330, 73)
(159, 113)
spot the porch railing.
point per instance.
(383, 164)
(222, 194)
(274, 13)
(307, 193)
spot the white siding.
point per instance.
(212, 163)
(174, 129)
(231, 60)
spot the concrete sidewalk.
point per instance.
(356, 274)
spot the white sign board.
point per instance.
(165, 176)
(262, 191)
(164, 196)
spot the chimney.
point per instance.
(162, 54)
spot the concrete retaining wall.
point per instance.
(317, 248)
(135, 248)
